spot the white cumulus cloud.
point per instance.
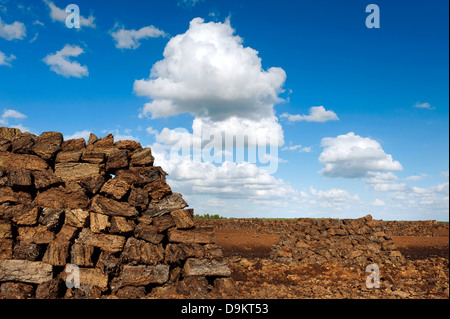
(60, 63)
(316, 114)
(229, 140)
(209, 73)
(226, 181)
(224, 138)
(13, 31)
(353, 156)
(129, 39)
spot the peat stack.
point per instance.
(95, 220)
(361, 241)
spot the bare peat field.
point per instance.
(268, 261)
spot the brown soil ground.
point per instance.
(246, 242)
(254, 243)
(421, 247)
(247, 248)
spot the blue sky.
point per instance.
(360, 115)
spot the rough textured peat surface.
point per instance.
(101, 215)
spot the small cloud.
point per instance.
(151, 131)
(189, 3)
(416, 178)
(353, 156)
(266, 157)
(37, 22)
(298, 148)
(13, 31)
(60, 15)
(60, 63)
(214, 15)
(316, 114)
(129, 39)
(424, 106)
(445, 174)
(8, 113)
(16, 115)
(5, 60)
(34, 38)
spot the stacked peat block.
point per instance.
(429, 228)
(359, 241)
(101, 206)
